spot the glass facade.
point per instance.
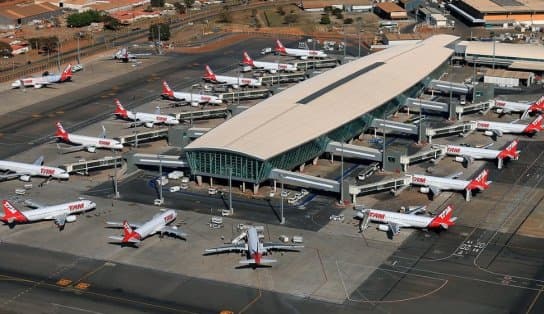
(217, 163)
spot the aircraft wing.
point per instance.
(9, 176)
(497, 132)
(395, 228)
(281, 246)
(39, 161)
(416, 210)
(175, 232)
(468, 159)
(70, 149)
(241, 247)
(32, 204)
(434, 189)
(60, 220)
(454, 175)
(117, 224)
(120, 239)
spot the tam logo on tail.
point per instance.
(480, 182)
(535, 126)
(510, 151)
(11, 214)
(61, 132)
(444, 219)
(119, 109)
(129, 233)
(66, 74)
(538, 105)
(166, 90)
(247, 59)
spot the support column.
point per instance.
(468, 194)
(275, 188)
(332, 158)
(499, 163)
(255, 188)
(301, 168)
(199, 180)
(354, 199)
(211, 181)
(243, 187)
(314, 162)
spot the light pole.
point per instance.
(230, 192)
(115, 190)
(282, 222)
(78, 56)
(493, 38)
(342, 175)
(160, 178)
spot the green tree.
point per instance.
(83, 19)
(157, 3)
(291, 18)
(328, 9)
(5, 49)
(348, 21)
(189, 3)
(336, 11)
(339, 15)
(164, 32)
(280, 10)
(110, 22)
(325, 19)
(180, 7)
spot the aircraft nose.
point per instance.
(64, 175)
(92, 204)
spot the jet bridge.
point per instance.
(284, 78)
(246, 94)
(305, 65)
(395, 185)
(395, 126)
(304, 180)
(143, 136)
(481, 106)
(453, 87)
(84, 166)
(436, 152)
(167, 161)
(203, 114)
(464, 128)
(354, 151)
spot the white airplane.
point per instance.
(492, 128)
(503, 106)
(234, 82)
(299, 53)
(142, 118)
(61, 213)
(87, 143)
(469, 154)
(392, 222)
(39, 82)
(191, 98)
(434, 185)
(24, 171)
(253, 247)
(125, 56)
(271, 67)
(157, 224)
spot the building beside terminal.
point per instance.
(514, 56)
(296, 125)
(500, 12)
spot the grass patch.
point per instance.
(273, 18)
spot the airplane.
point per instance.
(192, 99)
(157, 224)
(391, 222)
(254, 248)
(39, 82)
(234, 82)
(125, 56)
(434, 185)
(499, 128)
(24, 171)
(142, 118)
(271, 67)
(61, 213)
(503, 106)
(299, 53)
(469, 154)
(87, 143)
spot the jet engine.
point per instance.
(71, 218)
(148, 124)
(384, 228)
(25, 178)
(488, 133)
(91, 149)
(424, 190)
(459, 159)
(194, 104)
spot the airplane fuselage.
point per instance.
(274, 67)
(50, 212)
(501, 126)
(473, 152)
(510, 106)
(156, 223)
(152, 118)
(33, 170)
(196, 98)
(97, 142)
(237, 81)
(439, 182)
(403, 220)
(305, 53)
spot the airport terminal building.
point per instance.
(296, 125)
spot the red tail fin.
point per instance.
(209, 74)
(480, 182)
(538, 105)
(66, 74)
(511, 151)
(247, 59)
(535, 126)
(61, 132)
(127, 229)
(443, 219)
(166, 90)
(11, 214)
(279, 46)
(119, 109)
